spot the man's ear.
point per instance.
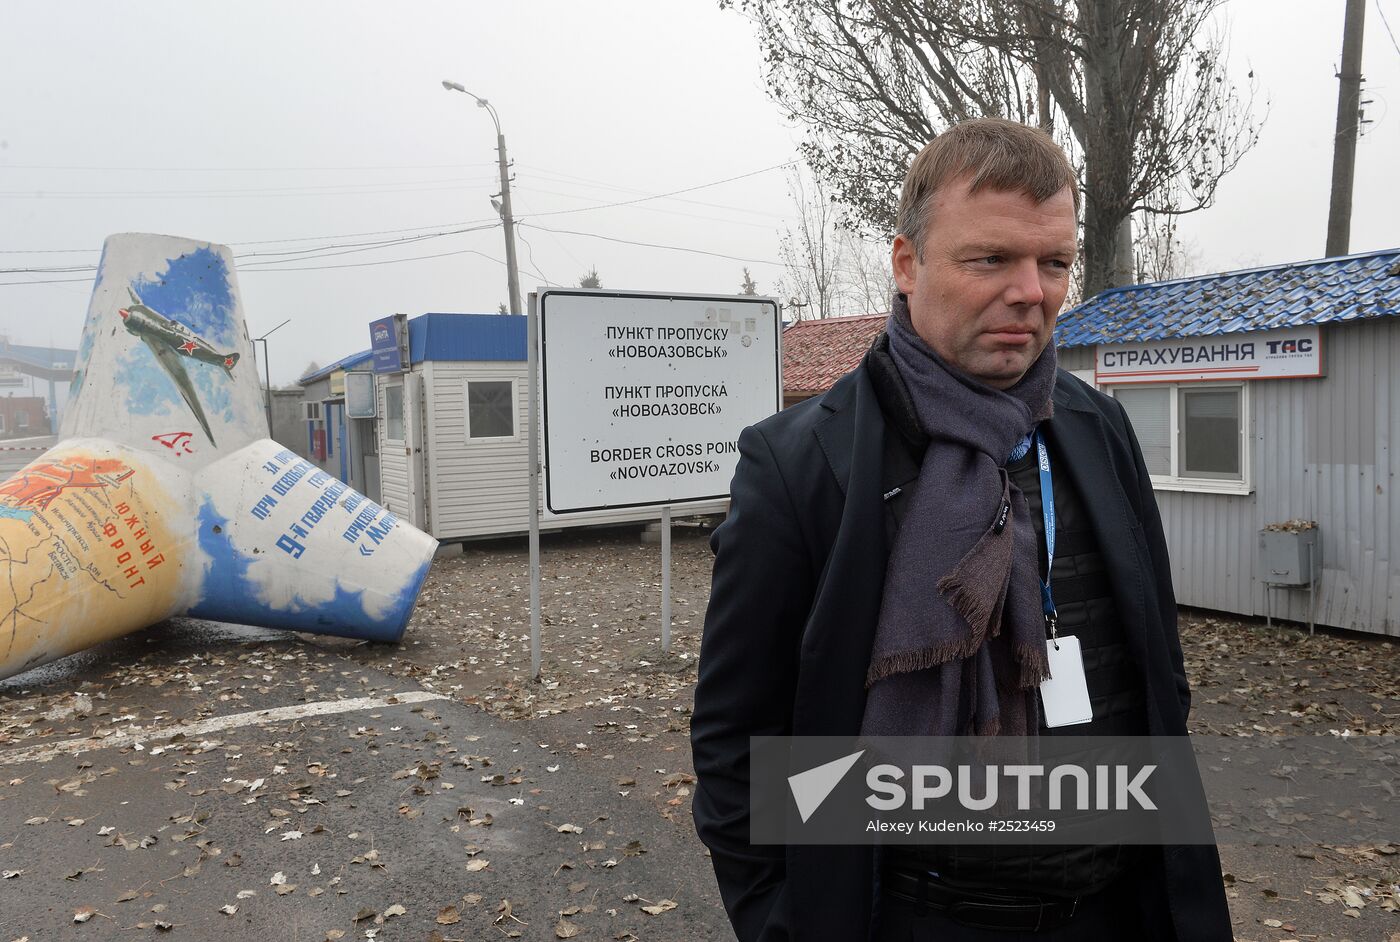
(904, 261)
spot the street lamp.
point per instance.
(513, 284)
(512, 273)
(267, 373)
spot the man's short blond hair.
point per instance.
(991, 153)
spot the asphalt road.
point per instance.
(15, 453)
(145, 788)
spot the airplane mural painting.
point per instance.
(133, 518)
(172, 343)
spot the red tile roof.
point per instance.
(817, 353)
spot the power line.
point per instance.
(689, 189)
(654, 245)
(570, 180)
(466, 223)
(342, 235)
(354, 246)
(408, 186)
(348, 249)
(1386, 22)
(395, 261)
(531, 249)
(654, 209)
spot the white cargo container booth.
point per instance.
(452, 432)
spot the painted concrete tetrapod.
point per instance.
(166, 497)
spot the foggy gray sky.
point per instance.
(255, 121)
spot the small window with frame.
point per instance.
(1194, 436)
(490, 409)
(393, 412)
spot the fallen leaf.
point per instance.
(564, 929)
(83, 913)
(665, 906)
(477, 865)
(395, 910)
(228, 909)
(449, 915)
(569, 829)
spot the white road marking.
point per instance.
(132, 735)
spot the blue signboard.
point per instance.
(384, 342)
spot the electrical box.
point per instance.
(1288, 556)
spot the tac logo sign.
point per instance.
(1302, 345)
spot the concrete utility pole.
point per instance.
(1348, 123)
(512, 272)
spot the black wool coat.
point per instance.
(798, 579)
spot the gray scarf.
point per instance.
(960, 643)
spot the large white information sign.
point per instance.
(645, 395)
(1288, 353)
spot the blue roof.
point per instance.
(1324, 291)
(354, 359)
(485, 337)
(466, 337)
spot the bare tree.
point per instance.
(1135, 89)
(1159, 252)
(868, 279)
(814, 250)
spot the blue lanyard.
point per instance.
(1047, 504)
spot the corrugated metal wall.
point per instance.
(1322, 450)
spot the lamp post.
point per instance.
(513, 285)
(512, 272)
(267, 373)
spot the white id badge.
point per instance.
(1065, 696)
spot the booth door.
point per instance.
(415, 443)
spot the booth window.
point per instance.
(1192, 435)
(21, 419)
(393, 412)
(2, 424)
(490, 409)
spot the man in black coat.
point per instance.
(821, 621)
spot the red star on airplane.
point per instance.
(229, 361)
(189, 346)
